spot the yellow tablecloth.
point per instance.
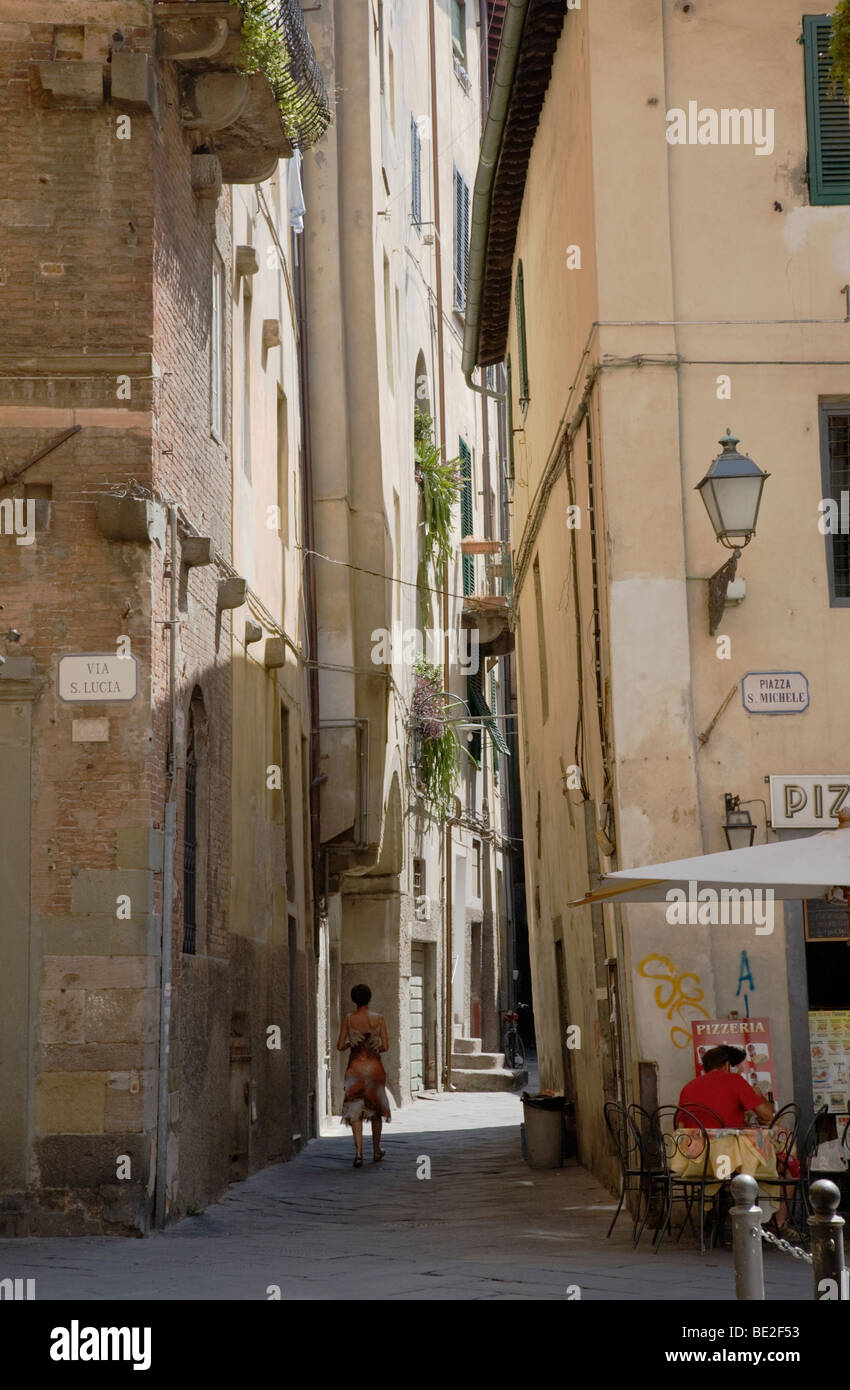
(730, 1151)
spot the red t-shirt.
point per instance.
(724, 1092)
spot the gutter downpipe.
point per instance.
(441, 386)
(169, 847)
(485, 420)
(310, 587)
(491, 145)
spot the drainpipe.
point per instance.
(310, 589)
(441, 386)
(170, 843)
(485, 422)
(491, 144)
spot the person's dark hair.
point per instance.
(361, 994)
(716, 1057)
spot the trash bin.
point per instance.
(544, 1130)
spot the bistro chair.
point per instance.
(783, 1130)
(627, 1147)
(807, 1153)
(668, 1123)
(654, 1182)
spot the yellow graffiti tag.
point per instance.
(675, 993)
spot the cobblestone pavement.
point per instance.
(484, 1226)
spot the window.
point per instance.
(418, 878)
(519, 295)
(190, 841)
(217, 347)
(246, 380)
(286, 789)
(282, 466)
(388, 321)
(461, 247)
(826, 117)
(476, 868)
(466, 514)
(509, 403)
(459, 30)
(416, 174)
(391, 86)
(835, 465)
(541, 642)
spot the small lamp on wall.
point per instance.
(738, 826)
(731, 491)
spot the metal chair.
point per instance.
(654, 1180)
(668, 1122)
(629, 1149)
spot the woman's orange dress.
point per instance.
(365, 1078)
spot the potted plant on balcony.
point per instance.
(439, 480)
(274, 41)
(437, 748)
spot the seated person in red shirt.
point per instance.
(723, 1092)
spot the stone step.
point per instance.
(478, 1061)
(467, 1079)
(466, 1045)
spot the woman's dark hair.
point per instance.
(361, 994)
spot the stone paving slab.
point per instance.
(483, 1227)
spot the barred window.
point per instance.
(835, 521)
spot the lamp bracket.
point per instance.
(717, 586)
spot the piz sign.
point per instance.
(97, 676)
(809, 802)
(775, 692)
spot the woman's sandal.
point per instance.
(381, 1153)
(358, 1161)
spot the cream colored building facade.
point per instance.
(385, 342)
(671, 291)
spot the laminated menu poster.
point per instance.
(829, 1038)
(751, 1035)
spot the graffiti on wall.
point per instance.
(678, 993)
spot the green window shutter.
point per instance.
(509, 393)
(474, 744)
(524, 395)
(478, 706)
(826, 117)
(415, 173)
(461, 246)
(466, 514)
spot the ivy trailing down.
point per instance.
(440, 482)
(275, 43)
(839, 46)
(439, 748)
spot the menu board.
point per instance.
(751, 1035)
(829, 1037)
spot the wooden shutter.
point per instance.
(509, 394)
(461, 246)
(827, 117)
(416, 173)
(473, 686)
(466, 514)
(519, 294)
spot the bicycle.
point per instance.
(512, 1044)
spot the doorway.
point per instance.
(417, 1016)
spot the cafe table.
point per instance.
(730, 1151)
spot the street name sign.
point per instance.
(775, 692)
(97, 676)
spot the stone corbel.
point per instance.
(213, 100)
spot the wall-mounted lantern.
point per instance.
(738, 826)
(731, 491)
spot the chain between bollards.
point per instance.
(827, 1241)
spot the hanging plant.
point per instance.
(439, 747)
(839, 45)
(440, 481)
(270, 44)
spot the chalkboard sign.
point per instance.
(827, 921)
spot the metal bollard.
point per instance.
(827, 1237)
(746, 1240)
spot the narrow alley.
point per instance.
(483, 1226)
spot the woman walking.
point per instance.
(365, 1034)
